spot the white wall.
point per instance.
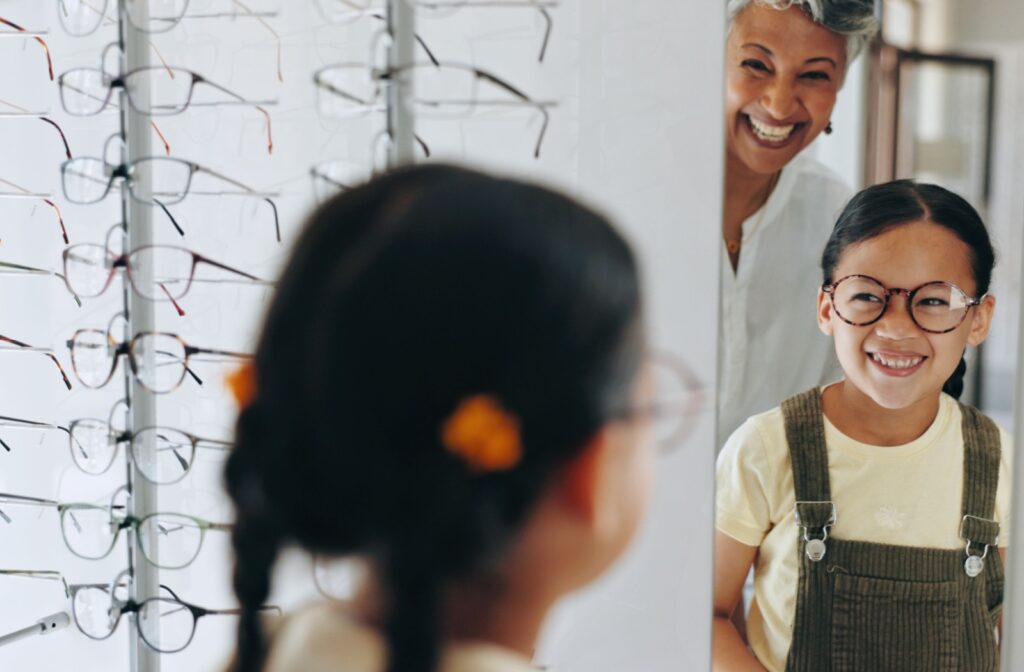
(637, 132)
(651, 152)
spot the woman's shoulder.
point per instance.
(814, 186)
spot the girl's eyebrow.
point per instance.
(768, 52)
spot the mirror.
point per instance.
(934, 97)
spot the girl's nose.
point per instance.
(896, 322)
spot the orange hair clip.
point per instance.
(483, 434)
(242, 383)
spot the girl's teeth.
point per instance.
(771, 133)
(897, 362)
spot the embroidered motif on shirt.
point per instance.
(890, 517)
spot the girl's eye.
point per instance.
(817, 75)
(933, 303)
(754, 64)
(866, 298)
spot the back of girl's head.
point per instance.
(882, 207)
(402, 298)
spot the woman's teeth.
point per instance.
(771, 133)
(897, 362)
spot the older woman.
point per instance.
(785, 64)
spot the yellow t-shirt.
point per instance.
(907, 495)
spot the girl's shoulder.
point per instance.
(762, 438)
(321, 637)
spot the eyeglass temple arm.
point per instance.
(277, 38)
(197, 78)
(417, 37)
(201, 259)
(63, 138)
(318, 80)
(547, 32)
(46, 351)
(192, 350)
(26, 424)
(213, 444)
(32, 270)
(192, 374)
(174, 222)
(526, 99)
(8, 498)
(45, 199)
(46, 48)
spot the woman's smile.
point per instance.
(772, 135)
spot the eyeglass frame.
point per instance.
(387, 75)
(131, 606)
(120, 82)
(126, 348)
(657, 408)
(119, 437)
(124, 522)
(172, 22)
(908, 294)
(541, 6)
(122, 261)
(124, 171)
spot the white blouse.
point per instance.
(771, 347)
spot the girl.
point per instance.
(447, 387)
(873, 508)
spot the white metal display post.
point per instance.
(401, 51)
(135, 133)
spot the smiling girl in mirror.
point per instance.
(874, 511)
(786, 61)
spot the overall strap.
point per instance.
(982, 454)
(805, 434)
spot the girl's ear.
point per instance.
(581, 481)
(981, 321)
(824, 312)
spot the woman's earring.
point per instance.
(828, 129)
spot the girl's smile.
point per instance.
(897, 363)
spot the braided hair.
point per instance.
(403, 297)
(882, 207)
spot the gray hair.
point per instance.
(853, 19)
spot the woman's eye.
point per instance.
(754, 64)
(817, 75)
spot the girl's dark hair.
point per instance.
(403, 297)
(877, 209)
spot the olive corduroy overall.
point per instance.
(867, 607)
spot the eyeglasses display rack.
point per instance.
(157, 52)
